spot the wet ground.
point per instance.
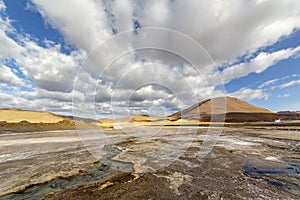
(246, 162)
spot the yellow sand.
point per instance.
(15, 115)
(228, 104)
(219, 105)
(106, 123)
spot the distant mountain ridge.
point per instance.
(220, 109)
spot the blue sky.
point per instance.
(28, 21)
(46, 45)
(286, 70)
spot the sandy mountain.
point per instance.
(133, 118)
(16, 115)
(145, 118)
(217, 110)
(130, 121)
(230, 106)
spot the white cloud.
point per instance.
(283, 95)
(150, 91)
(41, 100)
(273, 83)
(82, 22)
(122, 14)
(242, 26)
(48, 67)
(8, 76)
(289, 84)
(51, 72)
(8, 47)
(248, 94)
(50, 95)
(226, 29)
(258, 64)
(2, 5)
(267, 83)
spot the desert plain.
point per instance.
(246, 162)
(143, 157)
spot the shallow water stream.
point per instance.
(276, 176)
(102, 169)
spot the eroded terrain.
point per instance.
(246, 162)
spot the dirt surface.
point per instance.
(30, 159)
(245, 163)
(215, 178)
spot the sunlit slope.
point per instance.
(16, 115)
(219, 106)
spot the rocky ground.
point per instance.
(244, 163)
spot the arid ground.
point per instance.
(246, 162)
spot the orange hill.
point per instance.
(235, 110)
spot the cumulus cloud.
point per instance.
(83, 23)
(51, 69)
(225, 29)
(8, 47)
(44, 72)
(47, 66)
(222, 32)
(8, 76)
(153, 92)
(14, 101)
